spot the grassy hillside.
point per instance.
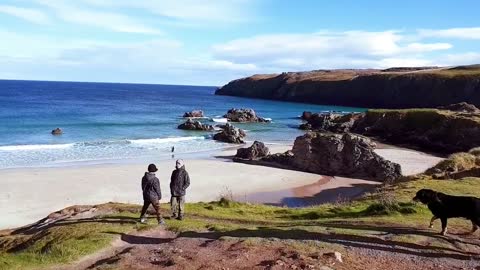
(387, 211)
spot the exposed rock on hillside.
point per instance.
(428, 129)
(461, 107)
(331, 122)
(394, 88)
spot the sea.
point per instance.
(118, 122)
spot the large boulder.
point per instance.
(256, 151)
(195, 125)
(244, 115)
(57, 131)
(342, 154)
(194, 114)
(230, 134)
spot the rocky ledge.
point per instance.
(243, 116)
(441, 131)
(195, 125)
(369, 88)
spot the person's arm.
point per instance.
(156, 186)
(144, 182)
(172, 182)
(186, 181)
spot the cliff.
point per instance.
(369, 88)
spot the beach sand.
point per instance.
(29, 194)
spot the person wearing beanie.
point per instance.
(179, 182)
(151, 194)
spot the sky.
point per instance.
(210, 42)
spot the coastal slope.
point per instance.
(369, 88)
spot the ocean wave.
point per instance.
(139, 142)
(32, 147)
(165, 140)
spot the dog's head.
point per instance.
(425, 196)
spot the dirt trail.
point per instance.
(161, 249)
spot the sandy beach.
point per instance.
(30, 194)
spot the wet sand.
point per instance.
(327, 189)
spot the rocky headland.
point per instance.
(370, 88)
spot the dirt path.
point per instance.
(161, 249)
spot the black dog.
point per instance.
(445, 206)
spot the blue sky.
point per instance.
(212, 42)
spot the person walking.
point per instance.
(151, 194)
(179, 182)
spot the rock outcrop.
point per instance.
(342, 154)
(194, 114)
(243, 115)
(392, 88)
(306, 115)
(256, 151)
(57, 131)
(433, 130)
(460, 107)
(195, 125)
(230, 134)
(331, 122)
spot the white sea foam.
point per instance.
(33, 147)
(165, 140)
(220, 120)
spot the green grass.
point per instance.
(376, 213)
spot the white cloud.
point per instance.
(455, 59)
(28, 14)
(90, 17)
(189, 10)
(327, 49)
(460, 33)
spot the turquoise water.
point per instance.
(115, 122)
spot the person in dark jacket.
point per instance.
(151, 193)
(179, 182)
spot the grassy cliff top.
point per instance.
(348, 74)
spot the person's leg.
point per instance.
(181, 206)
(174, 206)
(156, 205)
(146, 204)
